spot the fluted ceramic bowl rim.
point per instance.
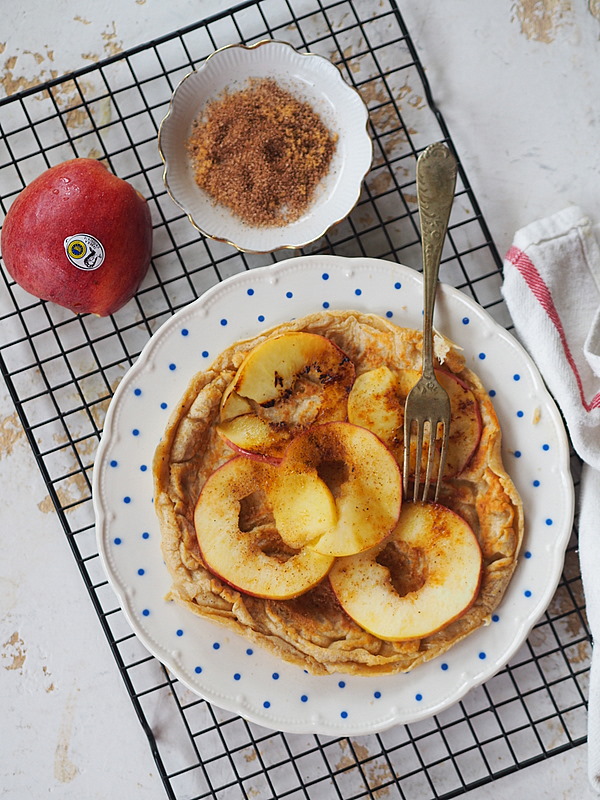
(315, 225)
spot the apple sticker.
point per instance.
(84, 251)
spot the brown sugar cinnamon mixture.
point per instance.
(261, 152)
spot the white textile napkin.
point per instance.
(552, 290)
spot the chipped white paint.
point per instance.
(540, 20)
(65, 770)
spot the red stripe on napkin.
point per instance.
(542, 294)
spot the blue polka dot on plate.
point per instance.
(172, 367)
(250, 292)
(137, 392)
(184, 332)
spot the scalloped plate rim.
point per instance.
(318, 726)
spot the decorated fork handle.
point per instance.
(436, 181)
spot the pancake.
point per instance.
(312, 630)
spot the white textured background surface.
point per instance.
(518, 86)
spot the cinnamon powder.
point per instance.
(261, 152)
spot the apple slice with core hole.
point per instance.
(377, 401)
(362, 480)
(250, 560)
(284, 384)
(397, 602)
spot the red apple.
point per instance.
(79, 236)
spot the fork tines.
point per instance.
(435, 442)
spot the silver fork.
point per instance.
(428, 401)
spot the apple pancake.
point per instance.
(312, 629)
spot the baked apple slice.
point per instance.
(285, 383)
(377, 401)
(426, 575)
(303, 505)
(359, 503)
(253, 560)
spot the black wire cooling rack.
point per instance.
(61, 371)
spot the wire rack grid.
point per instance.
(61, 371)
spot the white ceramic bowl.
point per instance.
(311, 78)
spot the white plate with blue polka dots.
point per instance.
(224, 668)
